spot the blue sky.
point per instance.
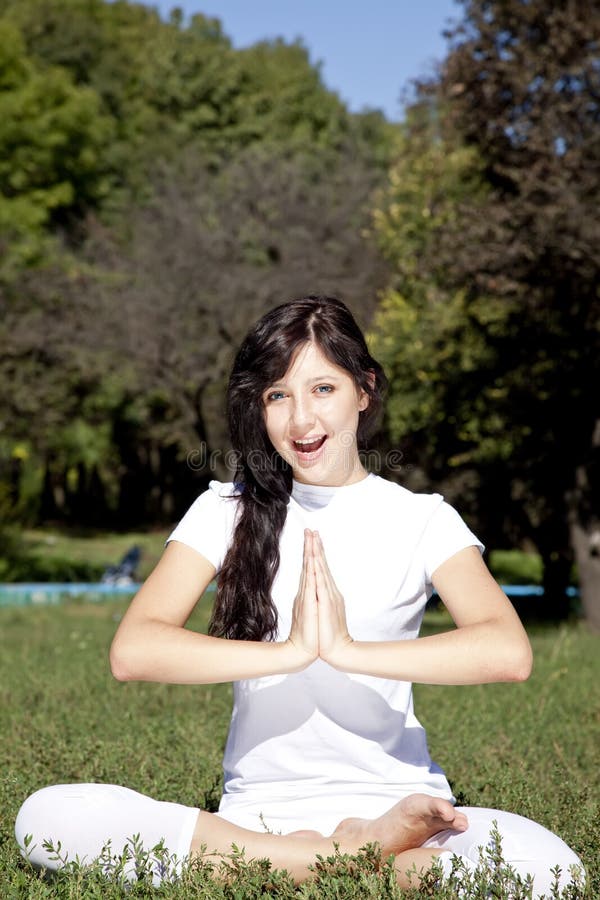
(369, 49)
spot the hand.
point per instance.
(333, 628)
(304, 633)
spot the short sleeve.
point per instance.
(208, 524)
(446, 533)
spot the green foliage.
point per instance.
(433, 339)
(169, 82)
(514, 567)
(528, 748)
(490, 324)
(283, 98)
(150, 177)
(363, 876)
(16, 565)
(99, 549)
(36, 555)
(118, 362)
(52, 140)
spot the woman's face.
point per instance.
(311, 416)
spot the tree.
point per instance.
(52, 138)
(208, 255)
(117, 362)
(506, 272)
(167, 83)
(431, 338)
(151, 175)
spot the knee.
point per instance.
(541, 853)
(529, 848)
(571, 867)
(34, 809)
(33, 819)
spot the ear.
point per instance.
(371, 378)
(364, 400)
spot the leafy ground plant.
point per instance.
(530, 748)
(139, 873)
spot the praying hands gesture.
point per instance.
(489, 643)
(319, 627)
(152, 643)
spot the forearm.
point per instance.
(474, 654)
(157, 651)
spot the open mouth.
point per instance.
(309, 446)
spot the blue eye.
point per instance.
(275, 395)
(324, 389)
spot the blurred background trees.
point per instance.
(491, 220)
(160, 189)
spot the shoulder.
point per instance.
(428, 517)
(218, 496)
(208, 524)
(401, 500)
(224, 490)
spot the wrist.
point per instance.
(294, 657)
(340, 656)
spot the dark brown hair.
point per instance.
(244, 608)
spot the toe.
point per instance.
(461, 823)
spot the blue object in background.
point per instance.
(50, 594)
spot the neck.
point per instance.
(348, 476)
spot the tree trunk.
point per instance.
(52, 501)
(586, 543)
(554, 544)
(584, 521)
(557, 572)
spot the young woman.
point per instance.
(323, 574)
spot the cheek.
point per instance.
(345, 421)
(272, 424)
(352, 408)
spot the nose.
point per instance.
(302, 416)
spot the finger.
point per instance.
(303, 569)
(306, 552)
(321, 561)
(309, 562)
(308, 541)
(322, 583)
(320, 551)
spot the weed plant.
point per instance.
(530, 748)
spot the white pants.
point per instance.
(84, 817)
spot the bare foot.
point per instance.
(313, 835)
(406, 825)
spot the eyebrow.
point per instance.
(331, 377)
(316, 380)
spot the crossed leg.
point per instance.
(83, 817)
(400, 832)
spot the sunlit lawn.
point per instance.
(99, 549)
(532, 748)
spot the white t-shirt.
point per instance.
(308, 749)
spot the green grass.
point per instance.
(98, 549)
(58, 555)
(531, 748)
